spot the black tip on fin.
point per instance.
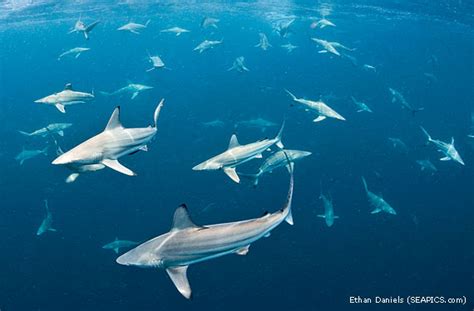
(265, 213)
(183, 205)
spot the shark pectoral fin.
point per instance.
(230, 171)
(61, 133)
(376, 211)
(319, 119)
(143, 148)
(180, 280)
(445, 159)
(321, 216)
(60, 107)
(72, 178)
(259, 156)
(134, 95)
(115, 165)
(290, 167)
(116, 250)
(243, 251)
(77, 55)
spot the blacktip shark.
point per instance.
(26, 154)
(377, 202)
(156, 62)
(280, 158)
(330, 47)
(176, 30)
(47, 223)
(133, 88)
(368, 67)
(323, 110)
(213, 123)
(328, 210)
(209, 22)
(117, 244)
(239, 65)
(237, 154)
(259, 123)
(397, 143)
(187, 243)
(76, 52)
(426, 165)
(263, 42)
(106, 148)
(81, 27)
(283, 27)
(289, 47)
(65, 98)
(361, 105)
(134, 27)
(398, 97)
(447, 149)
(207, 45)
(322, 23)
(53, 128)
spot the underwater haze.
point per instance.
(355, 83)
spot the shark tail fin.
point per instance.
(252, 177)
(287, 208)
(426, 133)
(415, 110)
(291, 94)
(157, 111)
(24, 133)
(365, 184)
(279, 135)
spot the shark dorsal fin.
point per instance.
(114, 121)
(68, 86)
(181, 219)
(233, 142)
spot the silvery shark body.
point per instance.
(330, 47)
(283, 27)
(361, 105)
(426, 165)
(448, 149)
(322, 23)
(260, 123)
(213, 123)
(65, 98)
(156, 62)
(53, 128)
(85, 29)
(47, 223)
(377, 203)
(398, 97)
(133, 27)
(207, 45)
(323, 110)
(328, 211)
(176, 30)
(26, 154)
(280, 158)
(209, 22)
(239, 65)
(263, 43)
(188, 243)
(237, 154)
(397, 143)
(289, 47)
(107, 147)
(76, 52)
(133, 88)
(117, 244)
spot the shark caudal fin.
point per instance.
(426, 133)
(291, 94)
(365, 184)
(278, 137)
(24, 133)
(157, 111)
(251, 177)
(287, 208)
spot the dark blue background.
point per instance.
(427, 249)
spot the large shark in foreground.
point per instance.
(65, 98)
(107, 147)
(237, 154)
(448, 149)
(323, 110)
(187, 243)
(377, 202)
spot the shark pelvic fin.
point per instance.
(114, 121)
(180, 280)
(243, 251)
(181, 219)
(230, 171)
(115, 165)
(60, 107)
(234, 142)
(319, 119)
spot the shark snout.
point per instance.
(61, 160)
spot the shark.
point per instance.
(133, 88)
(260, 123)
(398, 97)
(237, 154)
(76, 52)
(53, 128)
(328, 210)
(323, 110)
(426, 165)
(280, 158)
(26, 154)
(283, 27)
(156, 62)
(397, 143)
(239, 65)
(361, 105)
(368, 67)
(207, 45)
(117, 244)
(47, 223)
(85, 29)
(65, 98)
(263, 43)
(209, 22)
(134, 27)
(289, 47)
(330, 47)
(322, 23)
(176, 30)
(447, 149)
(188, 243)
(213, 123)
(106, 148)
(377, 202)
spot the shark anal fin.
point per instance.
(230, 171)
(60, 107)
(115, 165)
(243, 251)
(180, 280)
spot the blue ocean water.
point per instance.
(422, 49)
